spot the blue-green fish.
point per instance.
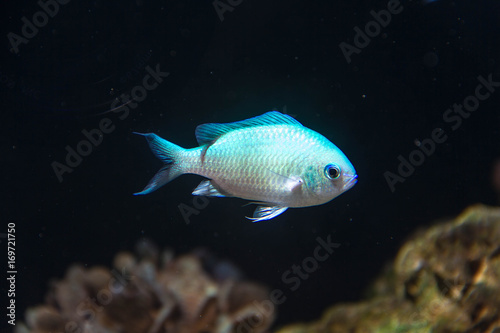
(270, 159)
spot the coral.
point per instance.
(191, 293)
(444, 280)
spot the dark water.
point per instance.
(390, 97)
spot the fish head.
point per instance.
(330, 175)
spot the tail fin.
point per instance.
(167, 152)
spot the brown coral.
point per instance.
(445, 280)
(151, 296)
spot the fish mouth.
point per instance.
(351, 180)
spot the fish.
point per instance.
(272, 160)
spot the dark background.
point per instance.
(264, 55)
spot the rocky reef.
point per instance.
(444, 280)
(151, 293)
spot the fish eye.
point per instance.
(332, 171)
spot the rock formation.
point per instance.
(444, 280)
(190, 293)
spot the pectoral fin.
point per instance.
(291, 183)
(207, 188)
(263, 213)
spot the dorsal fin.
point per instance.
(207, 133)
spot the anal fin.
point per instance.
(263, 213)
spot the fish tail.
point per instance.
(167, 152)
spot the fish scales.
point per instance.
(249, 163)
